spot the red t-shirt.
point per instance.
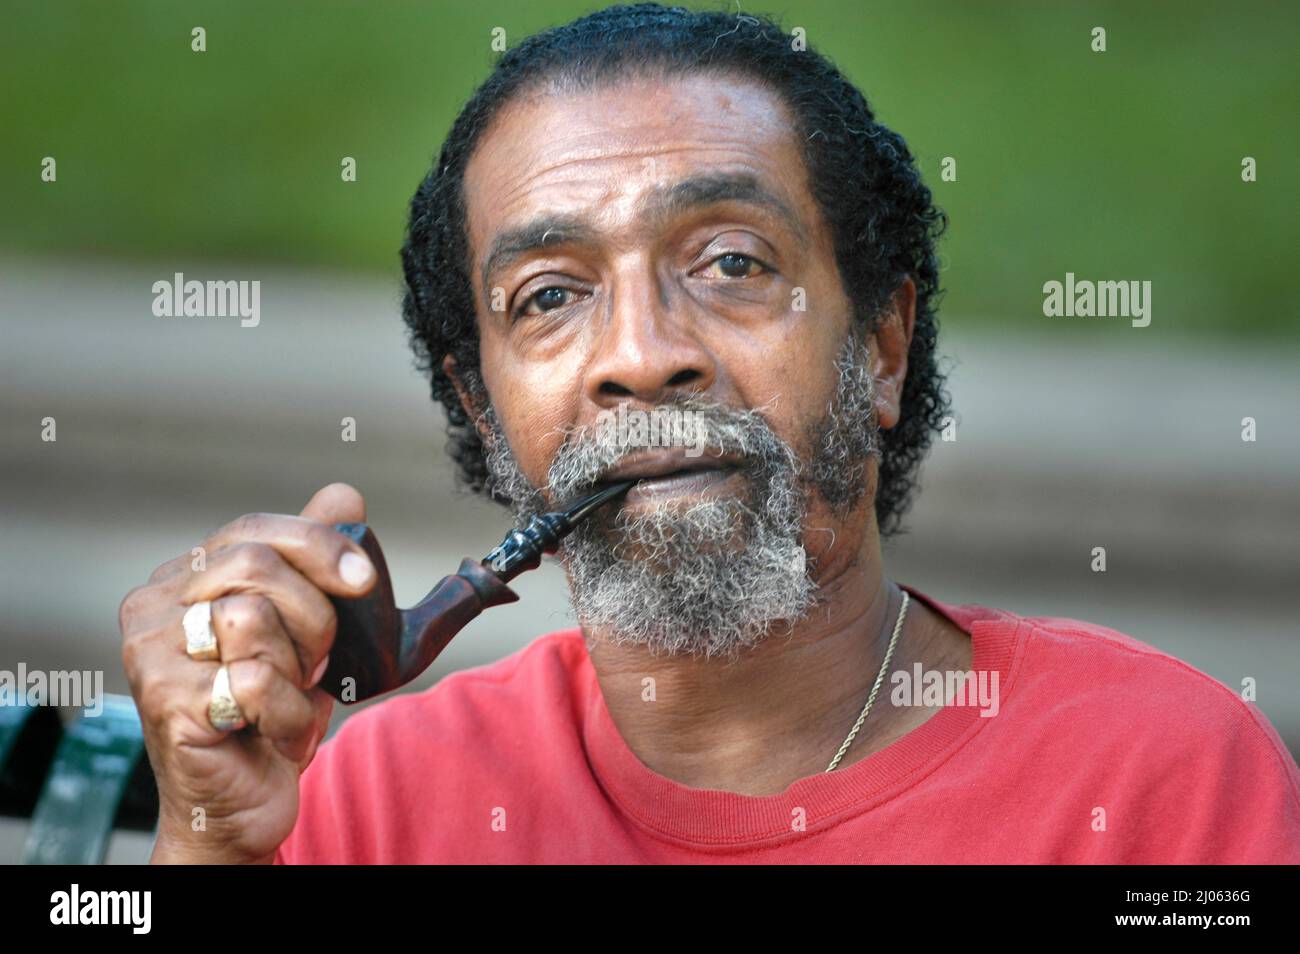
(1103, 749)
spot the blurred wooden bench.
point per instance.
(76, 783)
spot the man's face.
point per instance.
(647, 244)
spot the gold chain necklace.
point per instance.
(898, 628)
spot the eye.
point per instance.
(546, 299)
(736, 265)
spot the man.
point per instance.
(682, 217)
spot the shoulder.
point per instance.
(1158, 692)
(1105, 663)
(1082, 672)
(1170, 734)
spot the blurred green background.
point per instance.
(1121, 165)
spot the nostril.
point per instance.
(609, 387)
(683, 376)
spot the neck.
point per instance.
(780, 711)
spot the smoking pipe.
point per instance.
(378, 648)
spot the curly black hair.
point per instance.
(864, 180)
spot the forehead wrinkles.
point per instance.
(606, 188)
(586, 149)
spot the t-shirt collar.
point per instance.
(709, 817)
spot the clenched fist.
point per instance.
(269, 578)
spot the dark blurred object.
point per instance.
(98, 778)
(29, 736)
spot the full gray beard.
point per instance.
(719, 575)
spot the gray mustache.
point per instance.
(588, 453)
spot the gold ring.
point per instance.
(223, 711)
(200, 638)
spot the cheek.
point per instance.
(536, 403)
(791, 378)
(793, 374)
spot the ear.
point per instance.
(473, 408)
(890, 343)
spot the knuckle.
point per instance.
(153, 695)
(250, 626)
(174, 724)
(324, 622)
(164, 570)
(246, 613)
(249, 526)
(255, 560)
(131, 646)
(129, 609)
(257, 681)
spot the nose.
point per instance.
(647, 350)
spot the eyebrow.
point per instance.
(662, 204)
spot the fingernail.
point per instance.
(355, 569)
(318, 671)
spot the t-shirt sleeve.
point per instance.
(1245, 807)
(1173, 766)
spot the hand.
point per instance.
(232, 796)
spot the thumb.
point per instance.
(336, 503)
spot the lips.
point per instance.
(663, 465)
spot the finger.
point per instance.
(324, 704)
(171, 690)
(269, 701)
(172, 567)
(306, 615)
(248, 626)
(336, 503)
(324, 556)
(333, 503)
(143, 609)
